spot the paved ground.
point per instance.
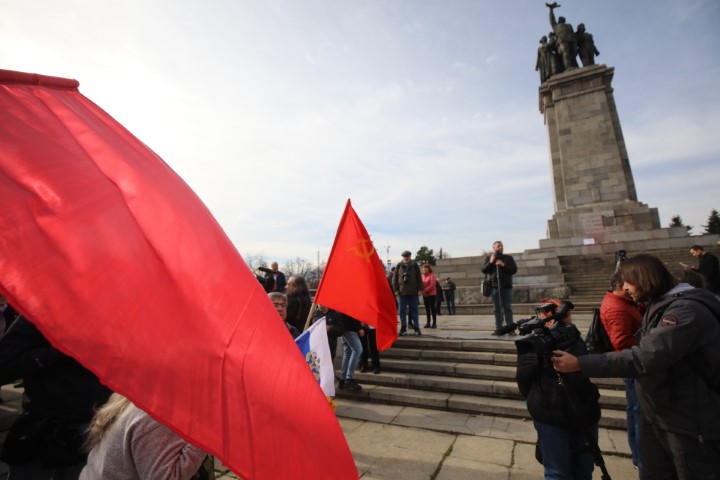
(398, 443)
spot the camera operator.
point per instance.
(502, 266)
(563, 414)
(677, 366)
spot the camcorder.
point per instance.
(266, 270)
(538, 337)
(498, 254)
(620, 256)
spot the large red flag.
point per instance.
(121, 266)
(354, 281)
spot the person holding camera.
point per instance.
(407, 285)
(676, 364)
(500, 268)
(564, 410)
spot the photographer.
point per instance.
(500, 268)
(562, 413)
(677, 366)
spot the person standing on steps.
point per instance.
(429, 293)
(407, 286)
(500, 268)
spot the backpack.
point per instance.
(597, 340)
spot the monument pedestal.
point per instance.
(594, 190)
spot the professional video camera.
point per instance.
(541, 339)
(266, 270)
(620, 256)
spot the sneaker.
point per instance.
(417, 332)
(353, 385)
(403, 332)
(376, 370)
(363, 369)
(427, 325)
(434, 326)
(496, 332)
(342, 384)
(512, 334)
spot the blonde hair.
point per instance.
(105, 418)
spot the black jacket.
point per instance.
(676, 362)
(547, 400)
(298, 309)
(506, 271)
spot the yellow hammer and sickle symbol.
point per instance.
(363, 251)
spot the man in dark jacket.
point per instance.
(677, 366)
(708, 267)
(499, 264)
(563, 414)
(407, 285)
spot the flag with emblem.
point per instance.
(354, 281)
(314, 346)
(121, 266)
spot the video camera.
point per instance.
(266, 270)
(620, 256)
(541, 339)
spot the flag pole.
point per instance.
(310, 315)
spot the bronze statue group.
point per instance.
(559, 50)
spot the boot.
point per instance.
(434, 325)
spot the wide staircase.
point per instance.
(588, 277)
(469, 376)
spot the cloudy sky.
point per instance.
(424, 113)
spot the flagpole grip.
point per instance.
(310, 315)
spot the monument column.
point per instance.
(594, 190)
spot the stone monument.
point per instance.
(594, 189)
(597, 212)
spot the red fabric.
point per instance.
(621, 318)
(355, 283)
(121, 266)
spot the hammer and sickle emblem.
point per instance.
(363, 252)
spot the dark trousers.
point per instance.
(450, 300)
(430, 311)
(671, 456)
(369, 349)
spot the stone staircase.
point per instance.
(588, 276)
(583, 279)
(469, 376)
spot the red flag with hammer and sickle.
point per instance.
(355, 282)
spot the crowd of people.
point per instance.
(664, 329)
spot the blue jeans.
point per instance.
(352, 350)
(450, 300)
(506, 297)
(633, 421)
(566, 455)
(412, 302)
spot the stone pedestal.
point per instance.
(594, 190)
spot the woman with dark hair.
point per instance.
(429, 294)
(676, 364)
(299, 303)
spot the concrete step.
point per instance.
(458, 402)
(609, 398)
(476, 370)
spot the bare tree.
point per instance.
(254, 260)
(298, 266)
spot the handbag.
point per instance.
(597, 339)
(486, 287)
